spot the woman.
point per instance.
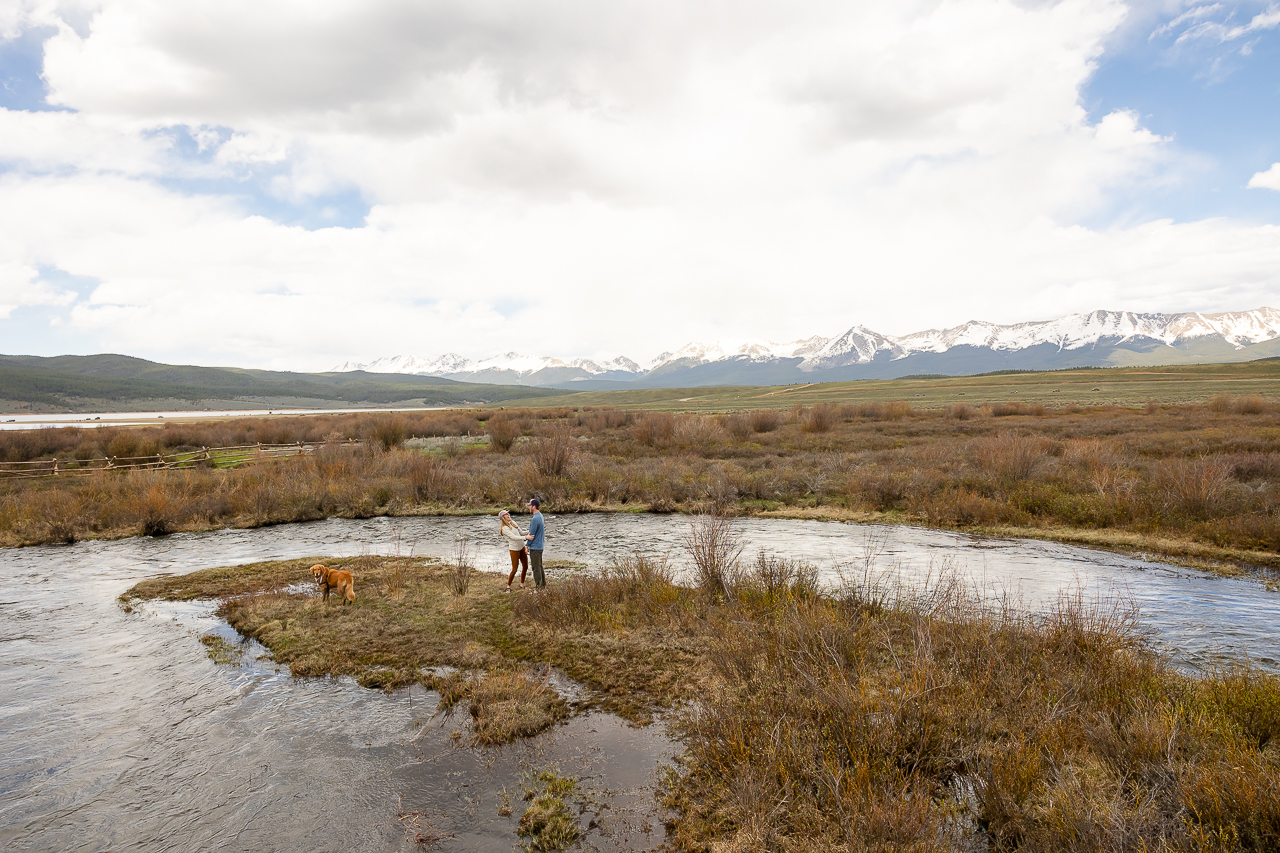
(517, 545)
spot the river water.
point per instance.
(120, 733)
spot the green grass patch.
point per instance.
(222, 652)
(548, 823)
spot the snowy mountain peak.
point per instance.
(856, 346)
(450, 364)
(1075, 331)
(1086, 335)
(447, 363)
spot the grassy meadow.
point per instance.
(860, 718)
(1130, 386)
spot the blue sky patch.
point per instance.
(343, 208)
(21, 63)
(1219, 103)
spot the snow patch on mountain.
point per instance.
(452, 364)
(856, 346)
(860, 345)
(752, 350)
(448, 363)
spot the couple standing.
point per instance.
(525, 548)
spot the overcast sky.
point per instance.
(296, 184)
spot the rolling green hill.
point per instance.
(80, 383)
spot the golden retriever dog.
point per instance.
(337, 579)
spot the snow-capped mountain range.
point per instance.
(1099, 338)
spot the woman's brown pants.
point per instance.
(520, 560)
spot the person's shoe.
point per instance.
(508, 589)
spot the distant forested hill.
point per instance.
(76, 382)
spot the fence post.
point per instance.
(55, 466)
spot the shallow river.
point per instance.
(120, 733)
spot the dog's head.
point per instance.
(318, 572)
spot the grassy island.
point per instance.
(862, 717)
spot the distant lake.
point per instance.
(94, 419)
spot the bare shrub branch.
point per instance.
(714, 548)
(553, 451)
(503, 432)
(1010, 456)
(461, 570)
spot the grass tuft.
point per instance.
(507, 706)
(222, 652)
(547, 823)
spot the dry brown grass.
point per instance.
(1196, 476)
(820, 418)
(933, 721)
(508, 705)
(884, 718)
(765, 420)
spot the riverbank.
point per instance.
(53, 528)
(1194, 484)
(869, 717)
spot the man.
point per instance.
(536, 538)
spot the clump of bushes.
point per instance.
(765, 420)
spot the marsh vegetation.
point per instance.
(1194, 481)
(867, 715)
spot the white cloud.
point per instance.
(1268, 180)
(566, 177)
(254, 148)
(1193, 15)
(1222, 31)
(20, 286)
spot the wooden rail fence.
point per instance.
(215, 457)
